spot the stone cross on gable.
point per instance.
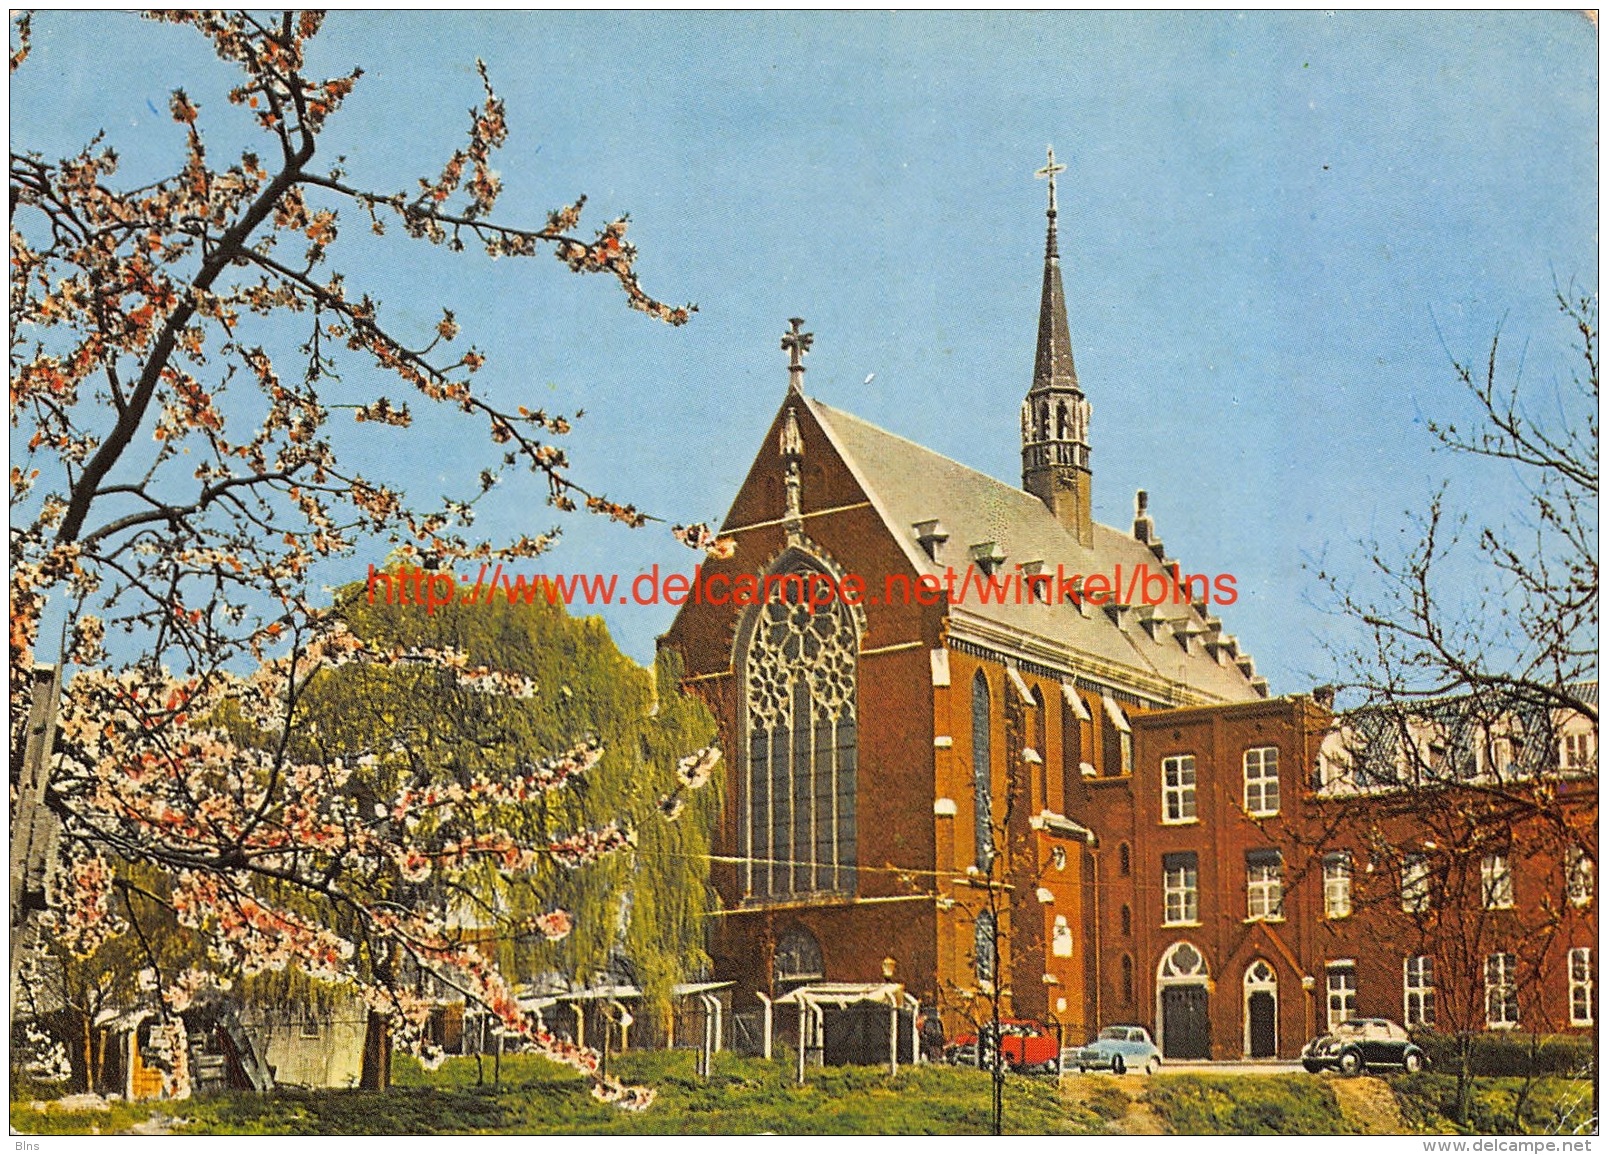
(1049, 170)
(796, 343)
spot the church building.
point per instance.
(902, 765)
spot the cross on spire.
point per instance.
(1049, 170)
(796, 343)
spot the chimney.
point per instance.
(1144, 529)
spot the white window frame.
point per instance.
(1186, 892)
(1418, 991)
(1261, 766)
(1576, 750)
(1177, 794)
(1337, 885)
(1582, 988)
(1582, 877)
(1264, 891)
(1496, 882)
(1501, 991)
(1340, 989)
(1415, 883)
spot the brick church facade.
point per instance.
(965, 796)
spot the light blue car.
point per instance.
(1118, 1049)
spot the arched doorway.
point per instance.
(1183, 1004)
(1261, 1011)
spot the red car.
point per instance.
(1028, 1046)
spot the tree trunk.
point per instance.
(101, 1041)
(1465, 1079)
(376, 1074)
(87, 1025)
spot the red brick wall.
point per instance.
(1377, 935)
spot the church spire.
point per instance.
(1053, 367)
(1055, 416)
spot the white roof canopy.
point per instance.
(843, 994)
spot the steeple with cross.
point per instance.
(796, 343)
(1055, 416)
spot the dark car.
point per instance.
(1358, 1045)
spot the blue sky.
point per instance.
(1270, 223)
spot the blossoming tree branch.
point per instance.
(189, 375)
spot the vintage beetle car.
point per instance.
(1359, 1044)
(1120, 1048)
(1028, 1046)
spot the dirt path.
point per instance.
(1137, 1119)
(1368, 1105)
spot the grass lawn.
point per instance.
(750, 1096)
(1246, 1105)
(744, 1096)
(1554, 1106)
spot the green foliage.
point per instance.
(420, 723)
(1518, 1055)
(1553, 1106)
(1245, 1105)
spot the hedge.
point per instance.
(1510, 1054)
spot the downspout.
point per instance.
(1094, 855)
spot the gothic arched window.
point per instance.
(798, 959)
(982, 771)
(800, 677)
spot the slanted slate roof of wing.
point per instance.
(908, 483)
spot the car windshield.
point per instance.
(1351, 1027)
(1118, 1033)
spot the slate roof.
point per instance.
(907, 483)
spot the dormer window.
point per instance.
(987, 557)
(1036, 584)
(1072, 592)
(931, 534)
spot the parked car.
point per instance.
(1119, 1048)
(1028, 1046)
(1357, 1045)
